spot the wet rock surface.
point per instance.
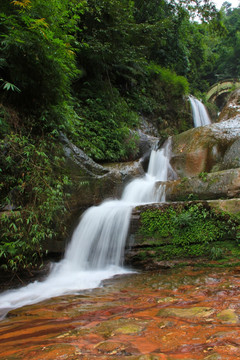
(185, 313)
(203, 149)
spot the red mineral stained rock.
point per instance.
(166, 315)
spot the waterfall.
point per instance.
(97, 246)
(199, 112)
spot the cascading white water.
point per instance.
(199, 112)
(97, 246)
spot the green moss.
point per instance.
(188, 231)
(203, 176)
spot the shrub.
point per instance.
(188, 231)
(33, 187)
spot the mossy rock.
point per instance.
(120, 326)
(213, 357)
(111, 347)
(130, 328)
(228, 316)
(193, 312)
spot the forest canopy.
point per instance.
(60, 59)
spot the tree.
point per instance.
(228, 48)
(37, 59)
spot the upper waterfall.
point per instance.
(199, 112)
(96, 250)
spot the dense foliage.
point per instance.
(91, 69)
(227, 63)
(37, 63)
(33, 187)
(189, 231)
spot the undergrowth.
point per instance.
(190, 231)
(32, 194)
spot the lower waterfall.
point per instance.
(96, 249)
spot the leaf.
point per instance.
(9, 86)
(40, 22)
(23, 4)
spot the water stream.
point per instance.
(187, 313)
(96, 250)
(97, 247)
(199, 112)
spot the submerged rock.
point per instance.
(120, 326)
(129, 329)
(111, 347)
(86, 325)
(213, 357)
(228, 316)
(193, 312)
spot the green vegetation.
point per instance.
(189, 231)
(203, 176)
(227, 63)
(34, 186)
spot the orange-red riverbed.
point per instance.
(185, 313)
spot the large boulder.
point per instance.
(78, 162)
(231, 157)
(203, 149)
(146, 143)
(210, 148)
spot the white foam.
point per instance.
(96, 250)
(199, 112)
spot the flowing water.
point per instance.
(199, 112)
(97, 246)
(183, 313)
